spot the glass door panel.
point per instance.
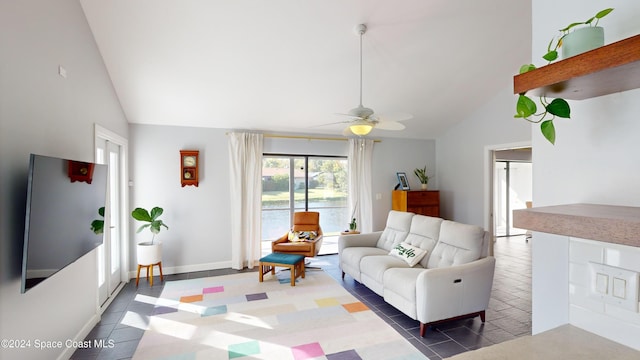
(513, 188)
(276, 197)
(303, 183)
(520, 192)
(299, 183)
(328, 193)
(114, 214)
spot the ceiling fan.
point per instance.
(364, 119)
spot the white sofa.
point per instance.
(452, 281)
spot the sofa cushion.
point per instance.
(409, 253)
(372, 269)
(458, 244)
(424, 233)
(400, 289)
(396, 230)
(351, 258)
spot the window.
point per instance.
(303, 183)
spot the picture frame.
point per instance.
(403, 181)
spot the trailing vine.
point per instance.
(527, 109)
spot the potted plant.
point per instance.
(526, 108)
(422, 176)
(149, 252)
(353, 226)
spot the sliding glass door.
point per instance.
(303, 183)
(513, 188)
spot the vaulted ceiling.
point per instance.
(291, 65)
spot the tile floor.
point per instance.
(508, 316)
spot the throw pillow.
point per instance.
(409, 253)
(309, 235)
(299, 236)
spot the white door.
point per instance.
(109, 253)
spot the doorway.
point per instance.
(512, 188)
(110, 149)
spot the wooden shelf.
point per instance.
(602, 71)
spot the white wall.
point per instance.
(595, 160)
(43, 113)
(593, 313)
(399, 155)
(198, 217)
(461, 153)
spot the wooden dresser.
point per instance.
(423, 202)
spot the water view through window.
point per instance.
(303, 183)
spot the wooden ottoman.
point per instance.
(294, 262)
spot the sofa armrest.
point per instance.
(284, 238)
(358, 240)
(443, 293)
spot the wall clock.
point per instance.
(189, 164)
(80, 171)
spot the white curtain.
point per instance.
(360, 201)
(245, 172)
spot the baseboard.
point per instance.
(183, 269)
(80, 336)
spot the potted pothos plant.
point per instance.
(149, 252)
(526, 107)
(422, 176)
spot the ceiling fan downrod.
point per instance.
(361, 111)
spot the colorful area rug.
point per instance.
(237, 317)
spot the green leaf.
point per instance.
(97, 226)
(143, 227)
(571, 26)
(141, 214)
(551, 55)
(101, 211)
(525, 107)
(560, 108)
(549, 46)
(151, 219)
(156, 212)
(526, 68)
(603, 13)
(548, 131)
(155, 226)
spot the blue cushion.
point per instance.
(280, 258)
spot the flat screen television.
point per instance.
(63, 199)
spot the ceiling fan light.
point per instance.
(361, 129)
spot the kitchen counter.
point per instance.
(607, 223)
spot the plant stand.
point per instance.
(148, 256)
(149, 273)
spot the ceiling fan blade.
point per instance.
(332, 123)
(389, 125)
(396, 116)
(349, 115)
